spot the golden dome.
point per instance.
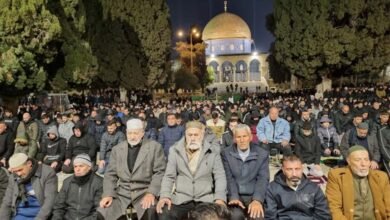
(226, 25)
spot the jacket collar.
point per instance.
(143, 152)
(268, 119)
(253, 153)
(280, 178)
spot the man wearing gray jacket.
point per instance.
(133, 176)
(31, 190)
(195, 169)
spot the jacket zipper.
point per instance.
(327, 129)
(78, 204)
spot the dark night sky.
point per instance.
(185, 13)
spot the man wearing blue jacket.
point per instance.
(247, 175)
(170, 133)
(274, 132)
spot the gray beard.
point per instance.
(193, 146)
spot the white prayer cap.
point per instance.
(134, 124)
(17, 160)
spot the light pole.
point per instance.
(195, 32)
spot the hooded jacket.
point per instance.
(53, 150)
(328, 137)
(83, 144)
(308, 202)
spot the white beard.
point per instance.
(133, 143)
(193, 146)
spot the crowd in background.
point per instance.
(279, 122)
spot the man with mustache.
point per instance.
(31, 191)
(133, 176)
(195, 169)
(358, 192)
(292, 196)
(247, 173)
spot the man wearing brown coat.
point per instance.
(357, 192)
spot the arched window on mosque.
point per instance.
(231, 46)
(241, 46)
(222, 48)
(215, 65)
(227, 71)
(241, 71)
(254, 69)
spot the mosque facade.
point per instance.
(231, 55)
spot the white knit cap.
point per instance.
(134, 124)
(82, 158)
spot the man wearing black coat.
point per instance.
(79, 143)
(308, 148)
(292, 196)
(6, 144)
(342, 118)
(80, 194)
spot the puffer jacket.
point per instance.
(328, 137)
(308, 202)
(169, 135)
(76, 202)
(108, 142)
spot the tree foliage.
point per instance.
(332, 37)
(29, 42)
(74, 43)
(184, 79)
(198, 61)
(149, 20)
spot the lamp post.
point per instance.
(195, 32)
